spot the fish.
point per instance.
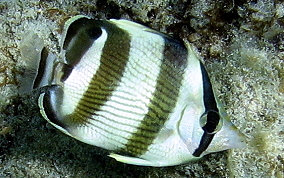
(141, 94)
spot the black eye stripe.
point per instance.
(208, 95)
(211, 109)
(213, 119)
(204, 143)
(210, 104)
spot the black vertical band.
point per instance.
(211, 111)
(164, 97)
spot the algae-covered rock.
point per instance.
(241, 43)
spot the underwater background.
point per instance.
(241, 43)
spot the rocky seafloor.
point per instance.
(241, 43)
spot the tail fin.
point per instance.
(45, 69)
(36, 63)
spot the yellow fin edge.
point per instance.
(130, 160)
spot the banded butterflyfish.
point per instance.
(139, 93)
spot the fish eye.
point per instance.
(211, 122)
